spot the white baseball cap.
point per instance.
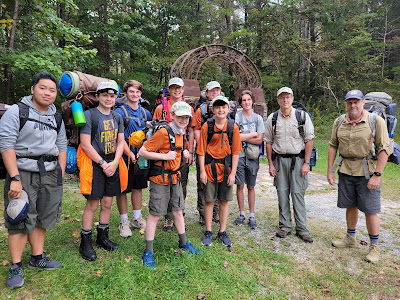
(212, 85)
(107, 87)
(176, 81)
(285, 90)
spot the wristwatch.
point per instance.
(16, 178)
(307, 162)
(101, 161)
(377, 174)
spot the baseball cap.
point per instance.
(212, 84)
(181, 108)
(107, 87)
(354, 94)
(285, 89)
(17, 209)
(220, 98)
(176, 81)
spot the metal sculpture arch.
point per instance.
(188, 65)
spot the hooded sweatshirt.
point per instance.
(34, 139)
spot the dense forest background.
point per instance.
(321, 48)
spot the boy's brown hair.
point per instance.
(244, 93)
(133, 83)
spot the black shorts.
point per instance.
(137, 178)
(103, 186)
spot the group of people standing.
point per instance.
(35, 157)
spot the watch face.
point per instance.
(16, 178)
(101, 161)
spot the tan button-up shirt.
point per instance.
(288, 139)
(355, 141)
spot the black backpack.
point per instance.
(24, 117)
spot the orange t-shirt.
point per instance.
(159, 142)
(197, 119)
(218, 149)
(158, 114)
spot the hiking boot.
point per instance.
(282, 233)
(208, 235)
(216, 218)
(15, 279)
(373, 255)
(348, 241)
(239, 220)
(102, 240)
(189, 248)
(148, 259)
(138, 223)
(168, 225)
(252, 223)
(202, 221)
(86, 248)
(225, 238)
(305, 237)
(44, 263)
(124, 229)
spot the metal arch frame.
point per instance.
(188, 65)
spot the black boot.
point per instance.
(86, 248)
(103, 241)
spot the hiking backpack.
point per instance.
(206, 113)
(24, 117)
(128, 118)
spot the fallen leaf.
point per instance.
(177, 252)
(76, 206)
(2, 222)
(271, 238)
(98, 273)
(144, 204)
(76, 233)
(201, 296)
(364, 243)
(141, 231)
(225, 264)
(381, 272)
(128, 259)
(96, 223)
(72, 220)
(5, 262)
(229, 249)
(48, 255)
(326, 290)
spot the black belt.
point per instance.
(227, 162)
(40, 161)
(292, 156)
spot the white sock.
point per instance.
(124, 217)
(251, 215)
(137, 214)
(242, 214)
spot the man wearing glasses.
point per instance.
(289, 147)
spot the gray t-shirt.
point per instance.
(105, 139)
(254, 124)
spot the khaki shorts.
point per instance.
(160, 198)
(209, 190)
(45, 198)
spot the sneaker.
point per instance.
(252, 223)
(373, 255)
(148, 259)
(168, 225)
(124, 229)
(202, 221)
(348, 241)
(208, 235)
(189, 248)
(216, 218)
(44, 263)
(239, 220)
(138, 223)
(15, 279)
(225, 238)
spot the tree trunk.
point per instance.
(7, 68)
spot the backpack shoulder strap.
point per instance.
(127, 119)
(171, 137)
(144, 114)
(301, 120)
(340, 121)
(210, 130)
(58, 118)
(274, 119)
(372, 125)
(23, 114)
(229, 129)
(95, 122)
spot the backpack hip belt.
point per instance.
(364, 162)
(227, 162)
(292, 156)
(40, 161)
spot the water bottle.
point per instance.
(314, 157)
(77, 112)
(143, 163)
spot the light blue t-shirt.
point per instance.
(254, 124)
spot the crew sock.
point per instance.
(149, 245)
(124, 217)
(182, 239)
(374, 239)
(351, 232)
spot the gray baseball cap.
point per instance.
(212, 85)
(354, 94)
(284, 89)
(176, 81)
(107, 87)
